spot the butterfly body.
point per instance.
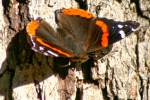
(79, 34)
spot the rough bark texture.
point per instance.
(26, 75)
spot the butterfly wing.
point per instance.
(73, 26)
(110, 31)
(119, 30)
(44, 39)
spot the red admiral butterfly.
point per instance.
(79, 33)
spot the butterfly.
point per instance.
(79, 36)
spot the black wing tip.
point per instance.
(134, 24)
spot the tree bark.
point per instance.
(122, 74)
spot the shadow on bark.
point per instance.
(22, 65)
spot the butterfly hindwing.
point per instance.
(44, 39)
(38, 47)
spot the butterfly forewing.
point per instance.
(75, 30)
(119, 30)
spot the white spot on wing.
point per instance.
(41, 48)
(34, 49)
(52, 53)
(122, 33)
(45, 53)
(133, 29)
(33, 42)
(120, 26)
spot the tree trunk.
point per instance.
(122, 74)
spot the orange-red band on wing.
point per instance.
(78, 12)
(54, 49)
(105, 33)
(32, 27)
